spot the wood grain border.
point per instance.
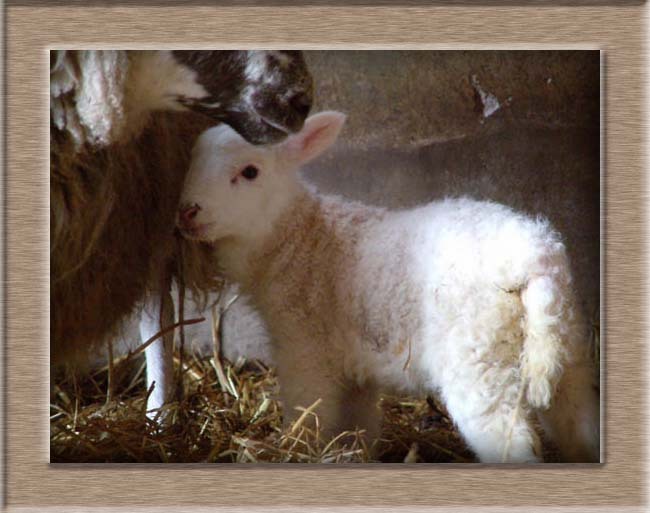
(33, 484)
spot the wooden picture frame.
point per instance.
(32, 484)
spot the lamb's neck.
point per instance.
(241, 256)
(314, 240)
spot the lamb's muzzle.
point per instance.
(188, 225)
(186, 217)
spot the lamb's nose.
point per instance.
(186, 215)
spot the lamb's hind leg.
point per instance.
(496, 426)
(557, 361)
(302, 383)
(503, 437)
(572, 421)
(360, 409)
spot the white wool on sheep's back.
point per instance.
(157, 80)
(115, 91)
(96, 113)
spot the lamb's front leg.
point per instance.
(304, 383)
(360, 410)
(344, 405)
(158, 313)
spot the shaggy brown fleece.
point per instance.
(107, 248)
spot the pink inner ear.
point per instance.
(309, 141)
(315, 137)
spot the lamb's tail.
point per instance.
(550, 318)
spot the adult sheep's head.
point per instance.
(263, 95)
(106, 96)
(236, 189)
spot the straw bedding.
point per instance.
(227, 412)
(235, 419)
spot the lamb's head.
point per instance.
(236, 189)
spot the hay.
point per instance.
(229, 414)
(233, 418)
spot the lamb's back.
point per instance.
(438, 274)
(473, 242)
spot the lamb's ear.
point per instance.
(319, 133)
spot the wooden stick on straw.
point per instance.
(111, 373)
(162, 332)
(217, 314)
(181, 317)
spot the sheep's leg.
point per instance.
(489, 408)
(573, 419)
(302, 383)
(501, 436)
(157, 314)
(359, 410)
(556, 353)
(343, 406)
(296, 395)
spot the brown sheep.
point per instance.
(122, 127)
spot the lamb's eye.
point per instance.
(250, 172)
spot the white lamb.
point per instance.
(466, 299)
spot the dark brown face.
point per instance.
(264, 95)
